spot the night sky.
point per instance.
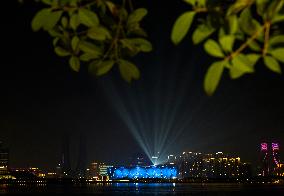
(42, 100)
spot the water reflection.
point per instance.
(145, 188)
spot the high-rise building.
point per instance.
(104, 171)
(265, 170)
(275, 154)
(270, 159)
(93, 171)
(4, 159)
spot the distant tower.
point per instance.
(275, 155)
(264, 159)
(82, 157)
(65, 156)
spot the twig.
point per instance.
(245, 45)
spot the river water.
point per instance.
(196, 189)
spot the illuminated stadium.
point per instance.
(135, 173)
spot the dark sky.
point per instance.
(42, 99)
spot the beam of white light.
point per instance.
(141, 124)
(158, 122)
(176, 96)
(126, 116)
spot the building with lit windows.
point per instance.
(104, 171)
(270, 159)
(4, 160)
(171, 160)
(192, 165)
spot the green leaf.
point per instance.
(61, 52)
(137, 31)
(137, 44)
(111, 6)
(247, 23)
(277, 18)
(126, 43)
(275, 40)
(201, 3)
(99, 33)
(253, 45)
(235, 72)
(128, 70)
(272, 64)
(55, 41)
(74, 21)
(233, 23)
(40, 19)
(143, 44)
(137, 15)
(261, 6)
(75, 43)
(64, 22)
(213, 77)
(74, 63)
(253, 58)
(123, 14)
(238, 6)
(201, 33)
(104, 67)
(89, 56)
(213, 48)
(89, 48)
(88, 18)
(52, 20)
(273, 8)
(182, 26)
(278, 54)
(243, 63)
(55, 33)
(191, 2)
(227, 42)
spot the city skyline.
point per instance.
(269, 157)
(185, 166)
(42, 100)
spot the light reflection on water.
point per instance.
(147, 188)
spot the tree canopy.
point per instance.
(100, 34)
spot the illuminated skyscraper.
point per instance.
(275, 154)
(104, 171)
(264, 159)
(269, 158)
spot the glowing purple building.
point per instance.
(269, 158)
(264, 159)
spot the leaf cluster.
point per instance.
(236, 33)
(95, 33)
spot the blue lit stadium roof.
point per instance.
(153, 172)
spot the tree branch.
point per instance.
(245, 45)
